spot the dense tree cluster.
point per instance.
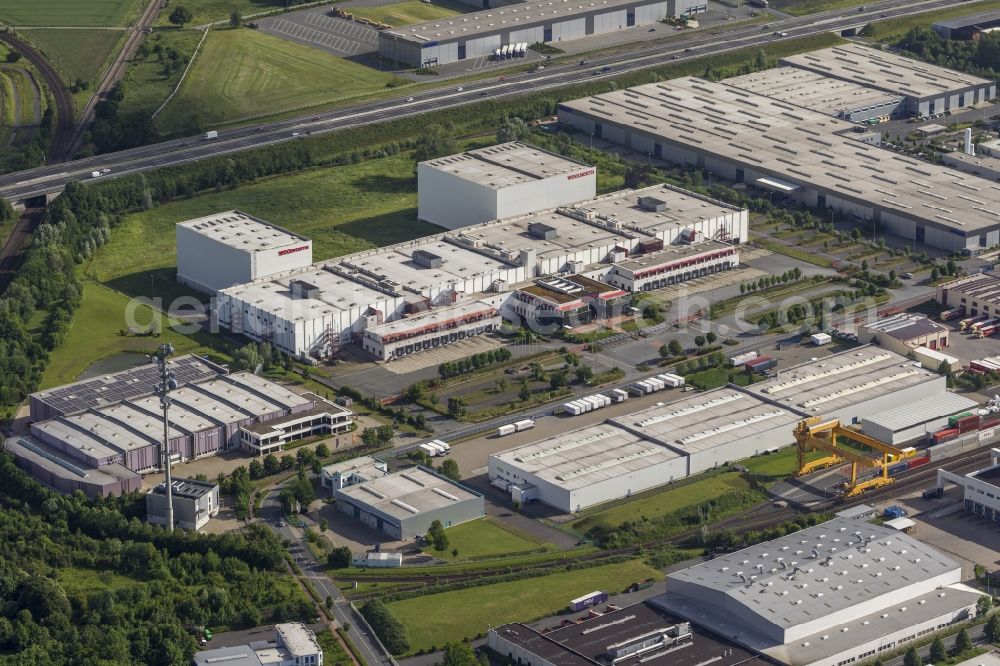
(172, 581)
(980, 57)
(389, 630)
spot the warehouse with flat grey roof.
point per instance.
(812, 90)
(403, 505)
(479, 34)
(654, 446)
(833, 594)
(807, 156)
(928, 89)
(968, 27)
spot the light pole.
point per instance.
(167, 384)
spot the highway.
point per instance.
(52, 178)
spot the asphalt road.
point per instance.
(313, 570)
(52, 178)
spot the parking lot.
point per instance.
(334, 35)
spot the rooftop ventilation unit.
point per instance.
(652, 204)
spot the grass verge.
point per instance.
(404, 13)
(485, 538)
(244, 74)
(435, 619)
(793, 252)
(77, 54)
(897, 27)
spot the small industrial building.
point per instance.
(984, 165)
(811, 90)
(981, 488)
(851, 385)
(195, 503)
(479, 34)
(928, 89)
(978, 294)
(673, 264)
(908, 422)
(626, 455)
(904, 332)
(403, 505)
(434, 328)
(833, 594)
(350, 472)
(501, 181)
(568, 301)
(294, 644)
(80, 433)
(375, 295)
(969, 27)
(225, 249)
(636, 635)
(804, 155)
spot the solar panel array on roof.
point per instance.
(128, 384)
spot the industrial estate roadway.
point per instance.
(51, 179)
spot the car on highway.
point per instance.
(409, 99)
(105, 170)
(460, 89)
(315, 117)
(281, 523)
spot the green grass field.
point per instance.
(77, 54)
(343, 209)
(404, 13)
(68, 12)
(895, 28)
(244, 74)
(333, 652)
(480, 539)
(778, 466)
(651, 505)
(145, 85)
(78, 580)
(435, 619)
(95, 335)
(802, 7)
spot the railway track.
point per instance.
(62, 137)
(762, 516)
(114, 73)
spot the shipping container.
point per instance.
(588, 600)
(761, 365)
(740, 360)
(898, 468)
(954, 419)
(820, 339)
(429, 449)
(917, 462)
(505, 430)
(967, 423)
(670, 380)
(619, 395)
(658, 384)
(990, 421)
(525, 424)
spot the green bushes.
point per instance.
(474, 362)
(389, 630)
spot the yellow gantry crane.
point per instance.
(815, 434)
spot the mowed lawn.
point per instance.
(404, 13)
(244, 74)
(68, 12)
(342, 209)
(436, 619)
(483, 538)
(802, 7)
(666, 501)
(95, 335)
(77, 54)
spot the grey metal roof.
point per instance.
(921, 411)
(817, 571)
(240, 655)
(968, 21)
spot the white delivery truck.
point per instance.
(820, 339)
(211, 134)
(429, 449)
(672, 381)
(525, 424)
(619, 395)
(505, 430)
(740, 360)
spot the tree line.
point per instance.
(151, 587)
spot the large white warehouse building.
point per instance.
(834, 594)
(501, 181)
(315, 309)
(225, 249)
(850, 386)
(623, 456)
